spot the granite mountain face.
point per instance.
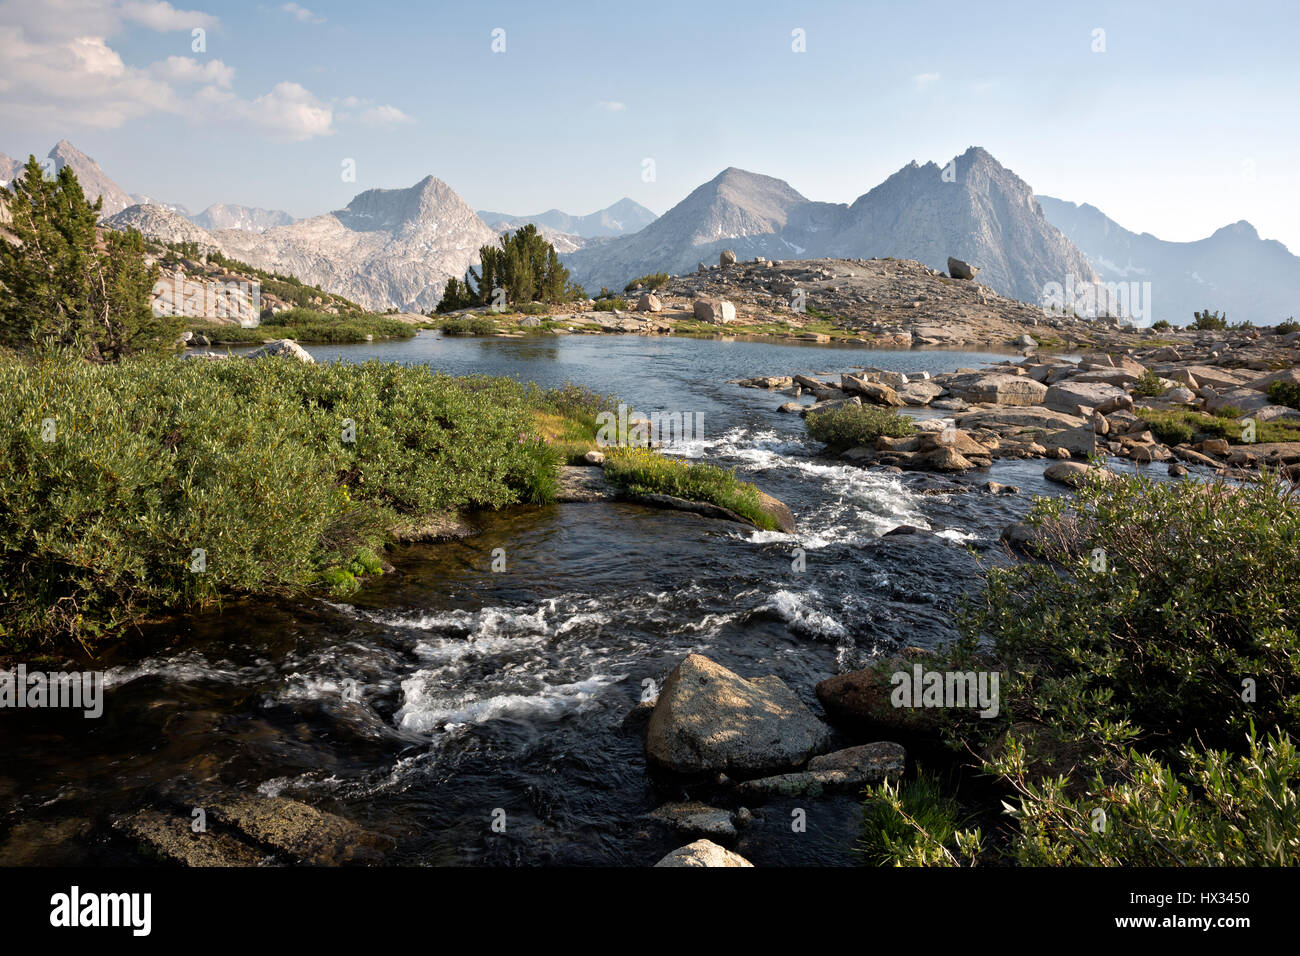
(93, 180)
(751, 214)
(1233, 270)
(980, 212)
(222, 215)
(387, 248)
(160, 222)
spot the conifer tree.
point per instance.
(61, 286)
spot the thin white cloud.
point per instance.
(611, 106)
(384, 116)
(162, 16)
(186, 69)
(924, 81)
(301, 14)
(288, 112)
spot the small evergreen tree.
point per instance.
(62, 287)
(1209, 321)
(525, 267)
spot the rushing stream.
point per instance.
(445, 691)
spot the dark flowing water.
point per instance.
(446, 692)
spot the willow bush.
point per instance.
(117, 482)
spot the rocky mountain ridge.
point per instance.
(621, 218)
(974, 208)
(1233, 270)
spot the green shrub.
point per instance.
(1175, 426)
(1162, 627)
(850, 425)
(1287, 327)
(1172, 431)
(1211, 321)
(643, 471)
(1161, 325)
(653, 281)
(1210, 808)
(307, 326)
(246, 460)
(914, 823)
(1198, 593)
(469, 325)
(610, 304)
(1148, 385)
(226, 333)
(1284, 393)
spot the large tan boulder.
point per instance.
(1073, 393)
(961, 270)
(997, 388)
(703, 853)
(283, 348)
(709, 719)
(1074, 472)
(715, 311)
(875, 392)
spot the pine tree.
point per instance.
(524, 266)
(61, 287)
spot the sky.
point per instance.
(1173, 119)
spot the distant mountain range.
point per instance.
(397, 247)
(1233, 271)
(982, 213)
(249, 218)
(622, 218)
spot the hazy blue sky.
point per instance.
(1186, 122)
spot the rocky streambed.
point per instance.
(1206, 404)
(491, 700)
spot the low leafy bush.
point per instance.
(610, 304)
(1161, 325)
(1161, 629)
(306, 326)
(469, 325)
(851, 425)
(1284, 393)
(1148, 385)
(653, 281)
(643, 471)
(913, 823)
(112, 477)
(1172, 431)
(1287, 327)
(1174, 427)
(1206, 320)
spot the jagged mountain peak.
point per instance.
(94, 182)
(428, 201)
(986, 215)
(1241, 229)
